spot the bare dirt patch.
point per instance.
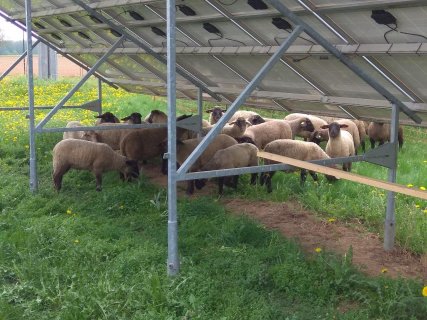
(311, 232)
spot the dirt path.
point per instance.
(293, 221)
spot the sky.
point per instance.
(9, 31)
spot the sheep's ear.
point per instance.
(343, 126)
(126, 118)
(209, 111)
(231, 123)
(248, 123)
(179, 142)
(224, 110)
(100, 116)
(326, 126)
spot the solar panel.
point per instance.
(223, 44)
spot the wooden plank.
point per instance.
(345, 175)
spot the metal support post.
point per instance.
(240, 100)
(279, 6)
(79, 84)
(200, 111)
(17, 61)
(390, 220)
(30, 77)
(100, 95)
(173, 258)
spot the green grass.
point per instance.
(82, 254)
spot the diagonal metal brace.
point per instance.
(383, 155)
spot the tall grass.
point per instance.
(82, 254)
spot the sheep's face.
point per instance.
(200, 183)
(90, 136)
(241, 123)
(256, 119)
(334, 129)
(216, 113)
(134, 118)
(307, 125)
(107, 117)
(245, 139)
(131, 170)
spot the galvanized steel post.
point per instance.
(173, 258)
(100, 95)
(390, 220)
(31, 116)
(200, 111)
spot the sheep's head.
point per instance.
(307, 125)
(156, 116)
(241, 122)
(334, 129)
(319, 136)
(256, 119)
(108, 117)
(90, 136)
(133, 118)
(200, 183)
(131, 170)
(245, 139)
(216, 114)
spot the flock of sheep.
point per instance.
(125, 150)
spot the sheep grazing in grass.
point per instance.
(317, 123)
(295, 149)
(156, 116)
(235, 156)
(145, 144)
(186, 147)
(379, 131)
(340, 143)
(261, 134)
(215, 114)
(86, 155)
(77, 134)
(133, 118)
(106, 117)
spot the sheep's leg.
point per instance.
(372, 143)
(349, 166)
(314, 175)
(98, 177)
(57, 177)
(235, 181)
(254, 177)
(303, 176)
(220, 185)
(363, 146)
(190, 187)
(400, 139)
(381, 142)
(267, 180)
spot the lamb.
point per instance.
(340, 143)
(186, 147)
(86, 155)
(296, 149)
(323, 135)
(261, 134)
(145, 144)
(106, 117)
(317, 123)
(215, 114)
(133, 118)
(235, 156)
(156, 116)
(379, 131)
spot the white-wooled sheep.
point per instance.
(156, 116)
(317, 123)
(215, 114)
(295, 149)
(340, 143)
(380, 132)
(92, 156)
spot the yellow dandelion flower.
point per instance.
(384, 270)
(76, 241)
(417, 206)
(424, 292)
(425, 161)
(410, 185)
(331, 220)
(69, 211)
(425, 211)
(121, 206)
(27, 146)
(318, 250)
(423, 188)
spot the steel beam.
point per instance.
(18, 61)
(278, 5)
(80, 83)
(240, 100)
(390, 220)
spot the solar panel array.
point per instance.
(224, 43)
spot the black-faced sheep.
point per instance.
(340, 143)
(296, 149)
(235, 156)
(215, 114)
(261, 134)
(186, 147)
(145, 144)
(317, 123)
(156, 116)
(106, 117)
(133, 118)
(379, 131)
(86, 155)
